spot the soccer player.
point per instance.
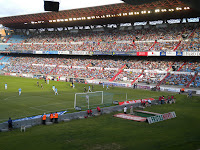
(47, 81)
(41, 86)
(107, 88)
(103, 84)
(89, 90)
(56, 91)
(6, 86)
(20, 91)
(53, 88)
(37, 83)
(85, 89)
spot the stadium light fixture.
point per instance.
(58, 20)
(62, 20)
(178, 8)
(171, 9)
(54, 20)
(50, 20)
(74, 19)
(149, 12)
(186, 8)
(157, 10)
(88, 18)
(25, 23)
(66, 19)
(163, 10)
(130, 13)
(70, 19)
(144, 12)
(124, 14)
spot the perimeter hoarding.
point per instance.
(191, 53)
(162, 117)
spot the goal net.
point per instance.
(92, 99)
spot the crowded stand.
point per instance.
(179, 37)
(141, 70)
(178, 79)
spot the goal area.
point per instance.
(92, 99)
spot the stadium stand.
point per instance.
(181, 37)
(139, 70)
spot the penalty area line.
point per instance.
(37, 108)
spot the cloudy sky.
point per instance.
(21, 7)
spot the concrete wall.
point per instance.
(70, 116)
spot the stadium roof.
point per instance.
(115, 13)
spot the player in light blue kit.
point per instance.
(20, 91)
(107, 88)
(53, 88)
(56, 91)
(89, 90)
(6, 86)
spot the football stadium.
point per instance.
(110, 77)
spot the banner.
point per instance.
(80, 52)
(125, 53)
(162, 53)
(142, 53)
(130, 117)
(191, 53)
(170, 53)
(102, 53)
(63, 52)
(162, 117)
(179, 53)
(38, 52)
(39, 116)
(153, 53)
(50, 52)
(134, 101)
(111, 69)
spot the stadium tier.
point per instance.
(132, 70)
(168, 38)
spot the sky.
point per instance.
(22, 7)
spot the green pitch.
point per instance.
(34, 100)
(96, 133)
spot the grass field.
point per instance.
(97, 133)
(35, 100)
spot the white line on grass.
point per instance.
(53, 104)
(9, 98)
(38, 109)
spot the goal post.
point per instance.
(89, 99)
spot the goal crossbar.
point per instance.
(88, 99)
